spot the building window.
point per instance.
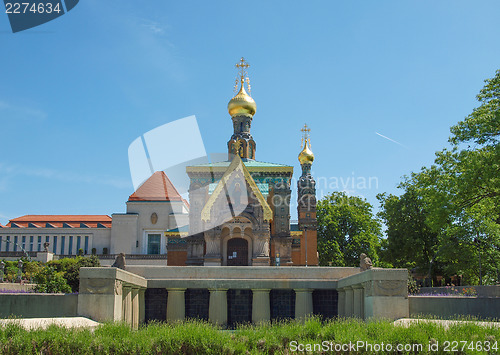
(31, 243)
(39, 243)
(54, 245)
(70, 245)
(86, 251)
(78, 244)
(62, 244)
(7, 244)
(154, 243)
(15, 243)
(308, 215)
(24, 242)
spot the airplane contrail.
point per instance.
(392, 140)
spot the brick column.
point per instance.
(175, 304)
(303, 303)
(261, 309)
(358, 301)
(217, 311)
(349, 298)
(341, 302)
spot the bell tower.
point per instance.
(242, 108)
(306, 206)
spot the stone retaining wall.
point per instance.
(38, 305)
(452, 306)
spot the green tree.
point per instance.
(410, 242)
(461, 191)
(346, 228)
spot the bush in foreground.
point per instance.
(202, 338)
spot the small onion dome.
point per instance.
(306, 156)
(242, 103)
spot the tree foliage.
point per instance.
(346, 228)
(460, 197)
(410, 241)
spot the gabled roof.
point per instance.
(236, 165)
(252, 166)
(157, 188)
(60, 221)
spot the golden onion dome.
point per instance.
(242, 103)
(306, 156)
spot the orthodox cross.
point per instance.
(242, 67)
(305, 135)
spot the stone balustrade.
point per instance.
(379, 293)
(114, 294)
(111, 294)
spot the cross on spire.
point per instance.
(305, 131)
(305, 135)
(242, 66)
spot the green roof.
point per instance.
(247, 163)
(263, 188)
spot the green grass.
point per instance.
(202, 338)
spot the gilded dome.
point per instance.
(242, 103)
(306, 156)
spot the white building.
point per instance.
(153, 210)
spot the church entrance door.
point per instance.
(237, 252)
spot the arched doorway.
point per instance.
(237, 252)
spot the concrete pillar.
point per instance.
(341, 302)
(349, 310)
(358, 301)
(261, 309)
(135, 307)
(303, 303)
(142, 305)
(175, 304)
(127, 305)
(217, 310)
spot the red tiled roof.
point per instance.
(58, 221)
(157, 188)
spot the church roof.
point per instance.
(61, 221)
(251, 165)
(232, 169)
(157, 188)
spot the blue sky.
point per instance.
(75, 92)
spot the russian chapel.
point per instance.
(240, 208)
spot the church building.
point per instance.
(240, 208)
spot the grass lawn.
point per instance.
(340, 336)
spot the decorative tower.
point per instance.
(242, 108)
(306, 206)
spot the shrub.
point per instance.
(50, 281)
(413, 287)
(70, 268)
